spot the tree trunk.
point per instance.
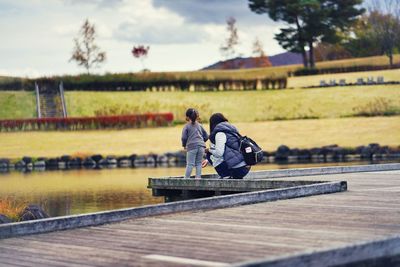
(390, 55)
(301, 43)
(311, 54)
(304, 55)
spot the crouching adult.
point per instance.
(224, 154)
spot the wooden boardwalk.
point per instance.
(369, 210)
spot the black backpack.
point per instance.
(251, 152)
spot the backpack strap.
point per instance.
(238, 135)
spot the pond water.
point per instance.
(82, 191)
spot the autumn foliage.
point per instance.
(140, 51)
(10, 208)
(88, 123)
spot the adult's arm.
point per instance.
(219, 149)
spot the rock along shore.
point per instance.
(283, 154)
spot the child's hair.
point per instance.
(192, 114)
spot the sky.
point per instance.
(183, 35)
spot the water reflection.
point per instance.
(81, 191)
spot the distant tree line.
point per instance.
(334, 29)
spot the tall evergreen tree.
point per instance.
(309, 21)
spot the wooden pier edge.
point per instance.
(375, 251)
(310, 171)
(98, 218)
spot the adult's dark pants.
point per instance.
(233, 173)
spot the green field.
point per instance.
(347, 132)
(271, 117)
(243, 106)
(17, 104)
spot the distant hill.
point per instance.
(287, 58)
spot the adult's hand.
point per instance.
(204, 163)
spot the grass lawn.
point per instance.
(314, 80)
(244, 106)
(348, 132)
(17, 104)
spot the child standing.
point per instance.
(193, 140)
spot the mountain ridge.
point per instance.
(282, 59)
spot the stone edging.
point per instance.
(98, 218)
(283, 154)
(375, 251)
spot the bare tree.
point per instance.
(228, 49)
(385, 23)
(260, 59)
(86, 53)
(258, 49)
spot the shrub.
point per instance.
(88, 123)
(10, 208)
(177, 109)
(378, 107)
(342, 69)
(306, 71)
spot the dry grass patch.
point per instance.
(348, 132)
(10, 208)
(244, 106)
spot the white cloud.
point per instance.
(37, 36)
(97, 3)
(27, 72)
(159, 34)
(146, 24)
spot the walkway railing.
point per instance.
(64, 107)
(38, 111)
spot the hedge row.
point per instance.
(101, 84)
(315, 71)
(160, 81)
(88, 123)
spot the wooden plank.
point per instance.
(60, 252)
(239, 234)
(185, 261)
(310, 171)
(360, 252)
(223, 184)
(11, 257)
(70, 222)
